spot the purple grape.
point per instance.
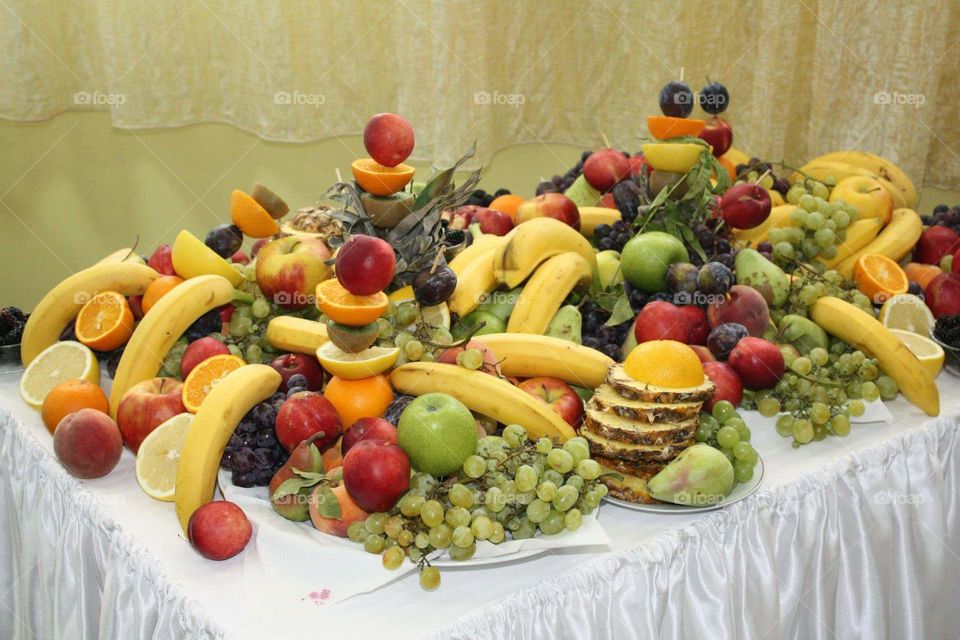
(245, 479)
(247, 439)
(266, 438)
(393, 412)
(676, 99)
(263, 457)
(611, 351)
(723, 338)
(765, 247)
(247, 425)
(264, 414)
(224, 239)
(243, 460)
(262, 477)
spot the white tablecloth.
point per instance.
(853, 537)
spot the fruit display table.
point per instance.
(848, 537)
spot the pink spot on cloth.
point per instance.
(319, 596)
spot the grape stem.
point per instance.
(783, 163)
(133, 249)
(461, 343)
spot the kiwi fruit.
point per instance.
(386, 212)
(271, 202)
(352, 339)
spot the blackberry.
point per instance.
(8, 320)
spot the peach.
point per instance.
(350, 512)
(742, 305)
(943, 295)
(219, 530)
(88, 443)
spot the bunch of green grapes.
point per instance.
(171, 364)
(821, 391)
(808, 285)
(817, 226)
(511, 488)
(419, 336)
(724, 429)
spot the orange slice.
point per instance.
(666, 127)
(105, 323)
(205, 376)
(879, 278)
(251, 217)
(157, 289)
(380, 180)
(342, 306)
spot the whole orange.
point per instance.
(69, 397)
(157, 289)
(363, 398)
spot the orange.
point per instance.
(157, 289)
(665, 363)
(726, 164)
(69, 397)
(105, 323)
(251, 217)
(508, 204)
(380, 180)
(666, 127)
(878, 277)
(203, 377)
(355, 399)
(342, 306)
(922, 274)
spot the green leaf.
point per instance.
(327, 504)
(622, 312)
(310, 475)
(291, 487)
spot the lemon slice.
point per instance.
(61, 361)
(928, 352)
(353, 366)
(159, 455)
(908, 313)
(401, 295)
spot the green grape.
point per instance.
(809, 248)
(458, 517)
(723, 410)
(375, 522)
(474, 466)
(820, 190)
(588, 469)
(482, 527)
(709, 422)
(802, 365)
(546, 491)
(405, 539)
(514, 435)
(778, 235)
(525, 529)
(553, 523)
(525, 497)
(463, 536)
(742, 450)
(410, 504)
(235, 350)
(819, 413)
(357, 531)
(421, 540)
(841, 218)
(743, 471)
(393, 558)
(498, 534)
(840, 425)
(406, 313)
(430, 579)
(566, 497)
(537, 511)
(422, 482)
(260, 308)
(794, 194)
(819, 356)
(432, 513)
(373, 544)
(544, 445)
(577, 447)
(460, 496)
(825, 238)
(384, 328)
(815, 221)
(856, 408)
(808, 202)
(470, 359)
(702, 434)
(592, 499)
(869, 391)
(727, 437)
(526, 478)
(462, 553)
(802, 431)
(393, 526)
(768, 407)
(785, 426)
(440, 536)
(495, 500)
(254, 354)
(572, 519)
(784, 251)
(736, 422)
(574, 481)
(413, 350)
(560, 460)
(887, 387)
(242, 311)
(798, 216)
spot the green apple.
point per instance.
(438, 433)
(491, 324)
(647, 257)
(608, 266)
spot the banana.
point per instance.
(881, 167)
(484, 393)
(528, 356)
(475, 280)
(477, 247)
(162, 326)
(860, 329)
(122, 255)
(299, 335)
(211, 429)
(820, 169)
(895, 241)
(534, 241)
(591, 217)
(546, 290)
(64, 301)
(779, 217)
(735, 156)
(859, 234)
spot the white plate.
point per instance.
(444, 561)
(740, 491)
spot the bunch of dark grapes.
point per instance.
(947, 331)
(944, 216)
(628, 196)
(597, 335)
(254, 454)
(559, 184)
(12, 321)
(718, 247)
(613, 236)
(481, 198)
(755, 168)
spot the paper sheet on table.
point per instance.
(300, 563)
(875, 411)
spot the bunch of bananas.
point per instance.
(843, 164)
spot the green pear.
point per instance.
(293, 501)
(567, 324)
(582, 194)
(753, 270)
(802, 333)
(699, 476)
(608, 267)
(501, 303)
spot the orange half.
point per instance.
(105, 323)
(666, 127)
(251, 217)
(342, 306)
(379, 180)
(879, 278)
(203, 377)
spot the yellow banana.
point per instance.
(860, 329)
(299, 335)
(591, 217)
(820, 169)
(779, 217)
(895, 241)
(474, 281)
(122, 255)
(534, 241)
(221, 411)
(528, 356)
(546, 290)
(162, 326)
(859, 234)
(477, 247)
(484, 393)
(64, 301)
(880, 166)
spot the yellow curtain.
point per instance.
(805, 76)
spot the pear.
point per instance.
(753, 270)
(566, 324)
(802, 333)
(582, 194)
(699, 476)
(608, 268)
(306, 459)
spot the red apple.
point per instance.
(607, 201)
(88, 443)
(703, 353)
(304, 414)
(290, 268)
(290, 364)
(742, 305)
(219, 530)
(718, 134)
(758, 362)
(558, 395)
(550, 205)
(259, 244)
(661, 320)
(376, 474)
(490, 360)
(145, 406)
(942, 295)
(368, 429)
(136, 306)
(934, 243)
(490, 220)
(365, 265)
(745, 205)
(638, 165)
(350, 511)
(226, 313)
(198, 351)
(605, 168)
(697, 326)
(727, 382)
(161, 260)
(388, 138)
(240, 258)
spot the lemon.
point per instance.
(928, 352)
(908, 313)
(354, 366)
(61, 361)
(665, 363)
(159, 455)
